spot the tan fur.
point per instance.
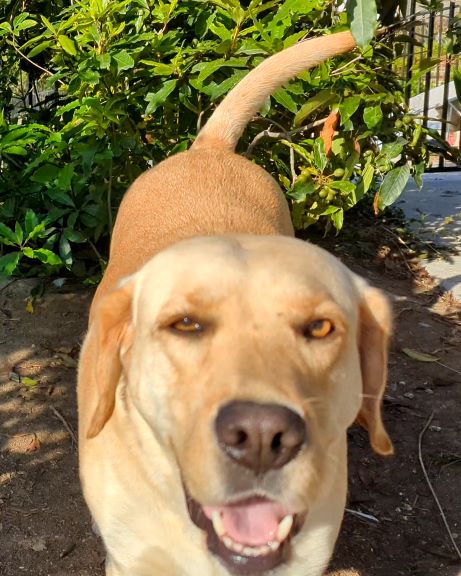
(207, 234)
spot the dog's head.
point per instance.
(248, 357)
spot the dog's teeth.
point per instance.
(252, 551)
(218, 525)
(284, 528)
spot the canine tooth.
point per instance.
(218, 523)
(273, 545)
(284, 528)
(228, 542)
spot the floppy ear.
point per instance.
(374, 332)
(113, 338)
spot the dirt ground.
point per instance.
(45, 529)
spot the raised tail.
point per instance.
(227, 123)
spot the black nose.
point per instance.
(260, 437)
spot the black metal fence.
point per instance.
(428, 72)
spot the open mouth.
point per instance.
(248, 536)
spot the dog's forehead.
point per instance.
(219, 265)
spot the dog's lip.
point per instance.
(237, 557)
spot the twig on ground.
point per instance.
(66, 425)
(431, 488)
(448, 367)
(363, 516)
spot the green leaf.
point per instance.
(67, 44)
(156, 99)
(28, 251)
(418, 174)
(15, 149)
(74, 235)
(39, 48)
(302, 188)
(393, 185)
(47, 257)
(372, 116)
(363, 20)
(392, 149)
(7, 236)
(65, 251)
(364, 185)
(338, 219)
(48, 24)
(35, 231)
(19, 233)
(124, 60)
(343, 186)
(65, 177)
(159, 68)
(318, 102)
(224, 87)
(30, 382)
(457, 82)
(90, 76)
(31, 220)
(284, 99)
(320, 158)
(45, 174)
(206, 69)
(348, 107)
(61, 197)
(104, 61)
(9, 263)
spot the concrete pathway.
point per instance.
(435, 214)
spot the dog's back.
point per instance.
(209, 189)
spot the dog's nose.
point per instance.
(260, 437)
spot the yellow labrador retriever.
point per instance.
(223, 364)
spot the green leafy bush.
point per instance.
(124, 84)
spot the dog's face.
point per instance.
(248, 357)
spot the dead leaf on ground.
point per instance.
(34, 444)
(419, 356)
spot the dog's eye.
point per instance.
(187, 324)
(318, 329)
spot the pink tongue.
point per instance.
(253, 523)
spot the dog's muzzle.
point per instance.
(252, 534)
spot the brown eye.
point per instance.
(318, 329)
(188, 325)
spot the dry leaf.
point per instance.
(328, 130)
(420, 356)
(34, 444)
(376, 204)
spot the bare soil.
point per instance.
(45, 528)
